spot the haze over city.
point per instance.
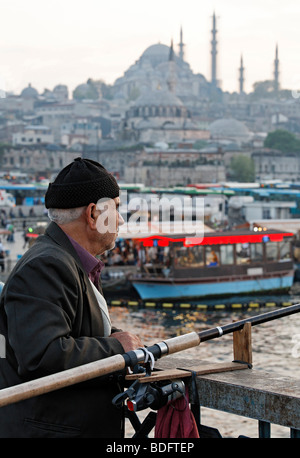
(67, 42)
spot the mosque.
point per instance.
(165, 96)
(161, 87)
(160, 68)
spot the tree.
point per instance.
(243, 169)
(282, 140)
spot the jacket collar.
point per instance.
(60, 237)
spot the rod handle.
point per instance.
(61, 379)
(183, 342)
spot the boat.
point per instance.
(217, 264)
(116, 279)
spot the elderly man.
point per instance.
(54, 317)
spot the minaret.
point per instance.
(276, 72)
(241, 78)
(171, 81)
(171, 53)
(181, 46)
(214, 53)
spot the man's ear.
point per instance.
(91, 214)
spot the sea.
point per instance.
(275, 349)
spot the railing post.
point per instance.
(295, 433)
(264, 429)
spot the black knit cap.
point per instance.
(80, 183)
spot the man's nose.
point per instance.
(120, 219)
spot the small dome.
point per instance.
(85, 91)
(60, 87)
(84, 87)
(29, 92)
(229, 128)
(161, 145)
(61, 92)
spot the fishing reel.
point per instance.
(140, 396)
(143, 395)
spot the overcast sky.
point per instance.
(46, 43)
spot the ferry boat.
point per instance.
(219, 264)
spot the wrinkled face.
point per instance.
(108, 221)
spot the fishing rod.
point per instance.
(191, 339)
(132, 358)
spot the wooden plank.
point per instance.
(242, 344)
(185, 371)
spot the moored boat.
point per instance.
(219, 264)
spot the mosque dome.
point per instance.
(60, 87)
(85, 91)
(159, 53)
(230, 129)
(61, 92)
(84, 87)
(29, 92)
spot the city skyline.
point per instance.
(46, 44)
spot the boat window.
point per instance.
(198, 252)
(256, 252)
(189, 256)
(242, 253)
(212, 256)
(272, 251)
(226, 252)
(180, 256)
(285, 250)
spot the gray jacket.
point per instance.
(51, 321)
